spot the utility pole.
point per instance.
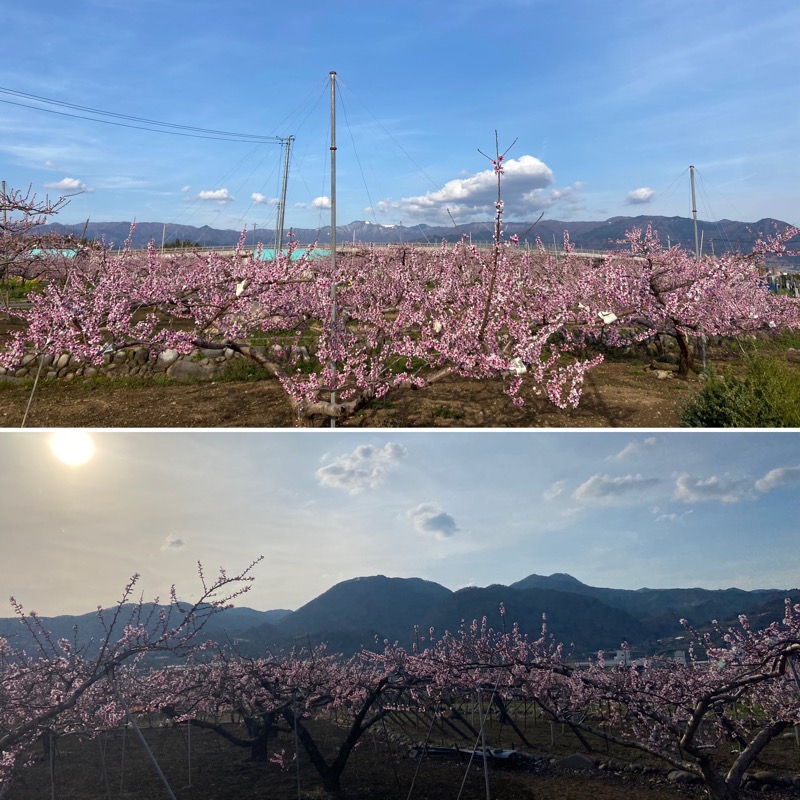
(333, 222)
(287, 142)
(694, 216)
(697, 251)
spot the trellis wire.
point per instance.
(389, 743)
(143, 741)
(52, 753)
(296, 747)
(122, 760)
(102, 741)
(421, 756)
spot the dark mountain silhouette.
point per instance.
(388, 606)
(226, 625)
(362, 612)
(660, 609)
(571, 619)
(720, 236)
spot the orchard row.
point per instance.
(388, 316)
(739, 685)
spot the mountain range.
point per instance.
(362, 612)
(721, 236)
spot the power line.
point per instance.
(163, 127)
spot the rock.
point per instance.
(682, 776)
(208, 352)
(120, 357)
(27, 359)
(141, 355)
(191, 369)
(168, 357)
(662, 374)
(771, 778)
(576, 761)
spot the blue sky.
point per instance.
(609, 103)
(620, 509)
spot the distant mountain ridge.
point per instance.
(720, 236)
(364, 611)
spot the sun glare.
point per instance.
(72, 447)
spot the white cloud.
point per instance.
(604, 487)
(221, 196)
(640, 196)
(524, 184)
(364, 468)
(689, 489)
(173, 542)
(68, 185)
(778, 477)
(430, 518)
(185, 188)
(262, 199)
(633, 448)
(49, 164)
(321, 202)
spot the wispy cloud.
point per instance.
(173, 542)
(717, 489)
(364, 468)
(262, 199)
(670, 516)
(430, 518)
(554, 490)
(605, 487)
(778, 477)
(634, 448)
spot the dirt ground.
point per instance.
(115, 765)
(203, 766)
(616, 394)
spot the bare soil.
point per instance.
(617, 394)
(203, 766)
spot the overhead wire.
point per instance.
(172, 128)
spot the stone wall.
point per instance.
(137, 360)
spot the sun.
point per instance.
(72, 447)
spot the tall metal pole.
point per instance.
(694, 216)
(697, 254)
(333, 225)
(282, 207)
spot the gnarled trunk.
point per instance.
(686, 361)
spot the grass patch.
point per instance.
(447, 412)
(16, 289)
(243, 370)
(766, 395)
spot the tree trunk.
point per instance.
(716, 785)
(686, 362)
